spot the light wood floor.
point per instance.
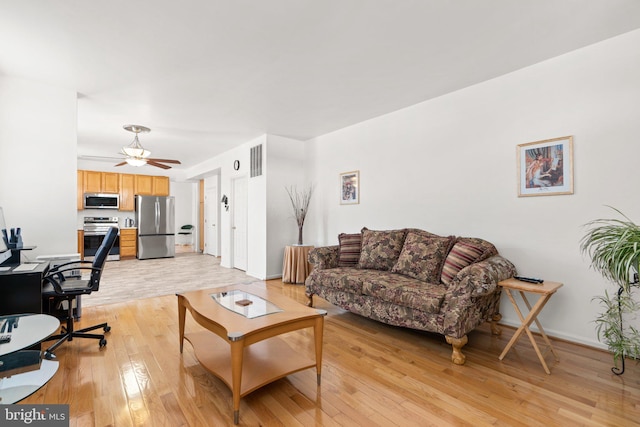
(373, 375)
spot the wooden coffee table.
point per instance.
(253, 355)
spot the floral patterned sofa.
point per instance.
(414, 279)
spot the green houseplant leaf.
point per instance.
(614, 248)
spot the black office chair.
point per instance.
(56, 287)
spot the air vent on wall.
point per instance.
(256, 161)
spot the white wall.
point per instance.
(271, 225)
(38, 140)
(285, 160)
(223, 165)
(449, 166)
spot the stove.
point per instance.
(95, 228)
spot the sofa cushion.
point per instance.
(380, 249)
(422, 256)
(488, 250)
(404, 291)
(347, 279)
(349, 249)
(461, 255)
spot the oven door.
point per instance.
(92, 242)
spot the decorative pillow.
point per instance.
(462, 254)
(380, 249)
(422, 256)
(349, 249)
(488, 250)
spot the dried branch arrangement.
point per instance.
(300, 203)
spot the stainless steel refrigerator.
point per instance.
(155, 219)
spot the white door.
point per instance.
(211, 234)
(238, 202)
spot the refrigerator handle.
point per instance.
(157, 206)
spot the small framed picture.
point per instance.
(545, 168)
(350, 188)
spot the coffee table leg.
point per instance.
(317, 333)
(318, 330)
(237, 350)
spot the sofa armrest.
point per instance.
(482, 278)
(324, 257)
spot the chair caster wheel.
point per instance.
(107, 328)
(103, 342)
(49, 356)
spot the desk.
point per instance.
(296, 267)
(15, 254)
(22, 372)
(545, 291)
(21, 291)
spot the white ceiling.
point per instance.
(206, 75)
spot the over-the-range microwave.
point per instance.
(101, 201)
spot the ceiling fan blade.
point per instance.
(121, 164)
(166, 161)
(158, 165)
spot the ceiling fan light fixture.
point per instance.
(136, 152)
(136, 155)
(135, 149)
(135, 161)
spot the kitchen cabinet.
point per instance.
(144, 185)
(99, 182)
(110, 182)
(81, 243)
(160, 186)
(80, 190)
(92, 182)
(126, 185)
(147, 185)
(128, 242)
(127, 192)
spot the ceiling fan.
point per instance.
(135, 153)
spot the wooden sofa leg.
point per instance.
(495, 329)
(310, 300)
(457, 343)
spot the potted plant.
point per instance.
(614, 248)
(300, 203)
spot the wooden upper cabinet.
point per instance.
(126, 185)
(144, 185)
(92, 182)
(127, 192)
(160, 185)
(147, 185)
(110, 182)
(99, 182)
(80, 187)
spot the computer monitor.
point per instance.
(5, 252)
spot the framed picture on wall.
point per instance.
(350, 188)
(545, 168)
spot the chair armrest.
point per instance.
(57, 267)
(324, 257)
(56, 277)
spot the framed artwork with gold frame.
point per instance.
(545, 168)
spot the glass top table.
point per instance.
(245, 303)
(23, 372)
